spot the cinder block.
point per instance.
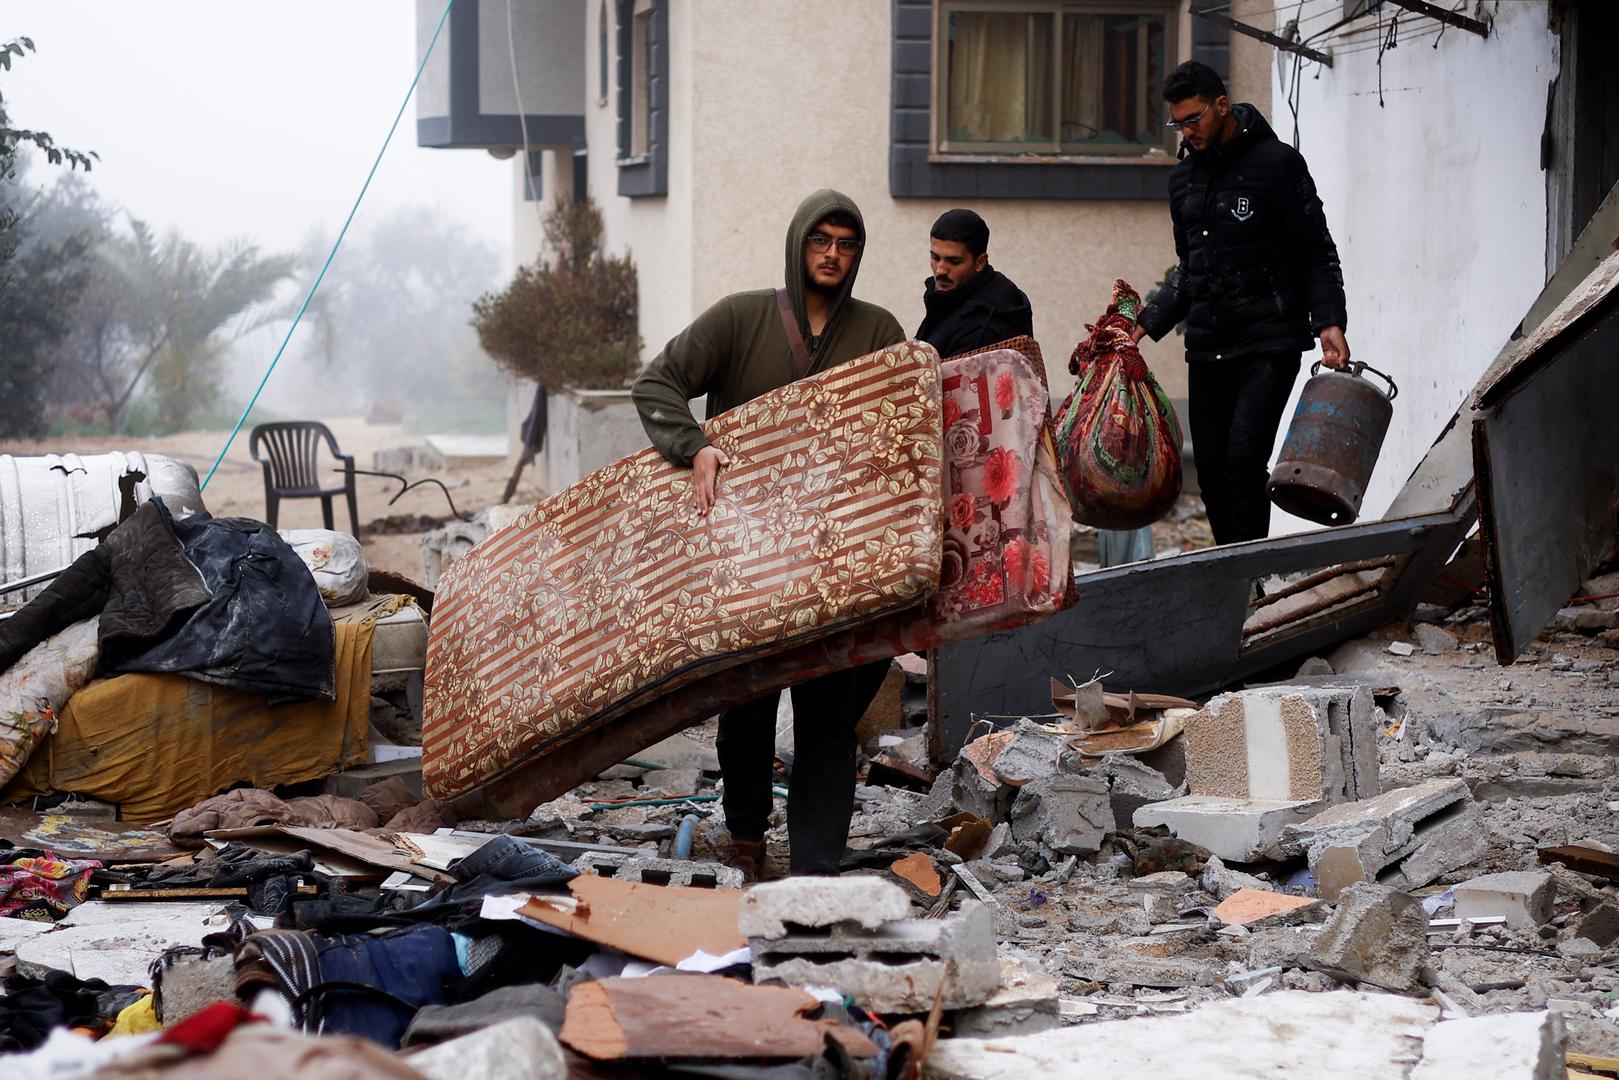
(768, 910)
(1068, 815)
(697, 875)
(1378, 935)
(1525, 897)
(1292, 743)
(898, 968)
(192, 983)
(1026, 1002)
(1239, 830)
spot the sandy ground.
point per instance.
(237, 488)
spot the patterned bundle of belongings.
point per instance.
(887, 505)
(1117, 433)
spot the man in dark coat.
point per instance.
(735, 351)
(1258, 281)
(970, 304)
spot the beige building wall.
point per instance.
(764, 110)
(1251, 59)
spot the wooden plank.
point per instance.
(1585, 860)
(662, 923)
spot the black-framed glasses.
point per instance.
(1191, 121)
(823, 242)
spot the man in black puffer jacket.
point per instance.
(1258, 280)
(969, 303)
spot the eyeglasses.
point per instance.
(822, 242)
(1191, 121)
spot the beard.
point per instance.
(812, 284)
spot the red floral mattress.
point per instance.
(615, 592)
(1005, 563)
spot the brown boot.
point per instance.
(748, 856)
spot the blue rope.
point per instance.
(335, 245)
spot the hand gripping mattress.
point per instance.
(615, 592)
(1005, 563)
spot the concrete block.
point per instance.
(971, 791)
(1031, 754)
(1286, 743)
(1239, 830)
(898, 968)
(1132, 784)
(1600, 926)
(1435, 640)
(1000, 842)
(1220, 881)
(1068, 815)
(1525, 897)
(1163, 895)
(697, 875)
(521, 1048)
(1522, 1046)
(1284, 1035)
(1428, 829)
(1378, 935)
(674, 782)
(768, 910)
(1027, 1002)
(193, 983)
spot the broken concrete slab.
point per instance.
(1428, 829)
(1434, 639)
(1295, 743)
(1351, 1036)
(770, 909)
(1220, 881)
(1163, 895)
(1524, 897)
(116, 942)
(898, 968)
(1132, 783)
(1524, 1046)
(1067, 815)
(1600, 926)
(521, 1048)
(1129, 966)
(1027, 1002)
(1378, 935)
(698, 1017)
(1238, 830)
(1030, 753)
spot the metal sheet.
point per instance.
(1546, 456)
(1177, 625)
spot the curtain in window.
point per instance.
(1000, 77)
(1082, 93)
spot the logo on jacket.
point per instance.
(1242, 211)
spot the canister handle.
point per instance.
(1356, 367)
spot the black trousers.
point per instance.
(1234, 410)
(820, 799)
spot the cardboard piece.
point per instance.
(662, 923)
(698, 1017)
(338, 852)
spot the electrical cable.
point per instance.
(341, 233)
(522, 114)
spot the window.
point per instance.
(640, 78)
(642, 97)
(602, 55)
(1053, 77)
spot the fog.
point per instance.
(230, 123)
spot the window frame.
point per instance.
(942, 149)
(641, 175)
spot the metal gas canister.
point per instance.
(1332, 444)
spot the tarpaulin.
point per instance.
(157, 744)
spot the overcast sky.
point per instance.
(227, 118)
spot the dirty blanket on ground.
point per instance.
(157, 744)
(615, 591)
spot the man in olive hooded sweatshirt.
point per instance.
(735, 351)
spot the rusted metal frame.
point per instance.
(1308, 583)
(1450, 18)
(1548, 493)
(1252, 632)
(1176, 625)
(1266, 36)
